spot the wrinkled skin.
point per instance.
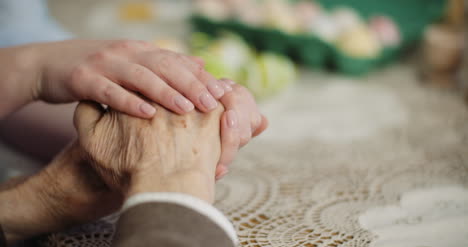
(118, 155)
(121, 147)
(133, 155)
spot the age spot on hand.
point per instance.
(184, 123)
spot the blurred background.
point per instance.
(273, 47)
(353, 89)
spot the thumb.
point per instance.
(263, 126)
(87, 113)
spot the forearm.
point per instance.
(21, 213)
(20, 76)
(27, 128)
(46, 203)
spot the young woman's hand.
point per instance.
(106, 72)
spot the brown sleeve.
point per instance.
(3, 242)
(168, 225)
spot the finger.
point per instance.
(242, 101)
(262, 127)
(129, 47)
(198, 60)
(87, 114)
(176, 74)
(255, 121)
(245, 128)
(109, 93)
(228, 81)
(245, 136)
(237, 102)
(214, 86)
(138, 78)
(226, 84)
(221, 171)
(229, 137)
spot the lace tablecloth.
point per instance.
(380, 161)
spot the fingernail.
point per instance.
(220, 176)
(147, 109)
(258, 120)
(230, 82)
(231, 119)
(208, 101)
(226, 86)
(183, 103)
(215, 89)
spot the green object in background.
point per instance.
(267, 74)
(352, 65)
(225, 56)
(411, 16)
(277, 71)
(310, 50)
(229, 56)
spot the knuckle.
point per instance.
(239, 90)
(168, 95)
(138, 73)
(190, 62)
(255, 120)
(165, 62)
(196, 59)
(100, 56)
(242, 90)
(186, 60)
(106, 92)
(230, 100)
(78, 73)
(200, 72)
(179, 56)
(122, 45)
(196, 87)
(145, 44)
(244, 138)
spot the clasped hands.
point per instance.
(117, 155)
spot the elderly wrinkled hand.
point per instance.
(134, 155)
(123, 149)
(116, 156)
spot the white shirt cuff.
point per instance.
(188, 201)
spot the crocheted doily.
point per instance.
(345, 163)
